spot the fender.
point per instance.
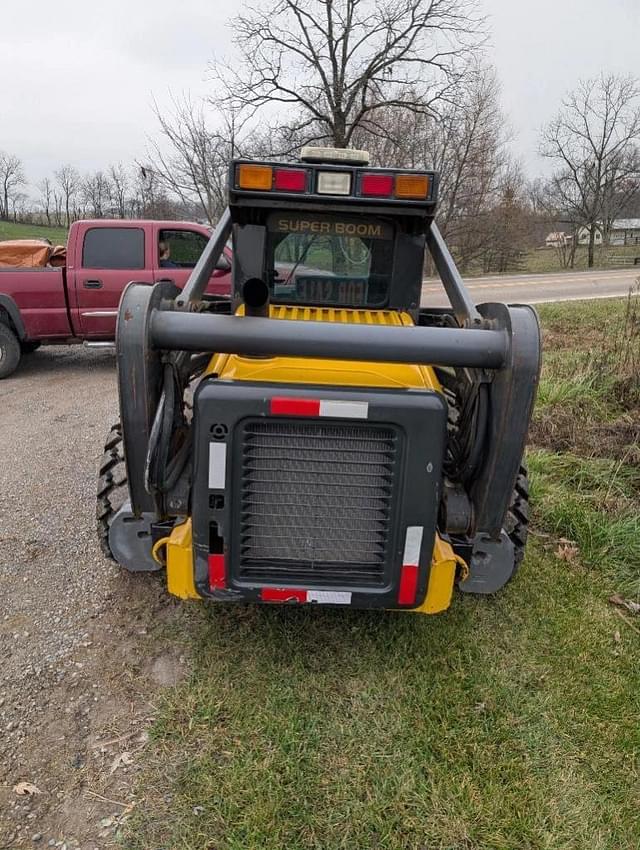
(7, 303)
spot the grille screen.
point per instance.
(316, 501)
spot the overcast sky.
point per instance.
(78, 78)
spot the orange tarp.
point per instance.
(24, 253)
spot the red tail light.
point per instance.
(290, 180)
(380, 185)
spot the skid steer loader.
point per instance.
(320, 438)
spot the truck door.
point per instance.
(179, 249)
(107, 259)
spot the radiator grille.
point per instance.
(315, 503)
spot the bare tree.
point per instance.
(70, 183)
(96, 193)
(120, 185)
(191, 160)
(335, 63)
(11, 179)
(594, 140)
(467, 144)
(46, 198)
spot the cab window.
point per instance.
(329, 260)
(180, 248)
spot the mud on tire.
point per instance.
(113, 491)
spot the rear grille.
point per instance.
(315, 503)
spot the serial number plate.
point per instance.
(323, 290)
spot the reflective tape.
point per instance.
(217, 466)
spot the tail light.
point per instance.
(378, 185)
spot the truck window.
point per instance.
(184, 247)
(113, 248)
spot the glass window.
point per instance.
(329, 260)
(180, 248)
(113, 248)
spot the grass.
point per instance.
(507, 723)
(547, 260)
(12, 230)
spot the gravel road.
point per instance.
(83, 651)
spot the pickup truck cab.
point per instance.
(78, 302)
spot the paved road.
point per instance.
(540, 288)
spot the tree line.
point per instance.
(407, 80)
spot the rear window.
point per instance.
(329, 260)
(113, 248)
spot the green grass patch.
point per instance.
(504, 723)
(595, 503)
(547, 260)
(12, 230)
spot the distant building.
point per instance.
(625, 231)
(558, 239)
(584, 232)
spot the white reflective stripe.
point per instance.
(412, 544)
(344, 409)
(101, 314)
(217, 466)
(329, 597)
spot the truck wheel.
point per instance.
(10, 352)
(112, 486)
(517, 522)
(30, 346)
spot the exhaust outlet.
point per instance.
(255, 294)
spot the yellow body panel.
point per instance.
(180, 563)
(335, 373)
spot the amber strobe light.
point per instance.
(254, 176)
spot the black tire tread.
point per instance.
(113, 490)
(517, 521)
(11, 351)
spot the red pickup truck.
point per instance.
(79, 301)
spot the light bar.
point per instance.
(334, 183)
(340, 155)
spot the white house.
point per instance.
(583, 235)
(623, 231)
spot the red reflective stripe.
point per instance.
(283, 406)
(282, 594)
(217, 571)
(408, 584)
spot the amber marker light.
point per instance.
(412, 186)
(254, 177)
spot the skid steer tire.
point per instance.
(10, 352)
(517, 521)
(112, 486)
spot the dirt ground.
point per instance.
(82, 652)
